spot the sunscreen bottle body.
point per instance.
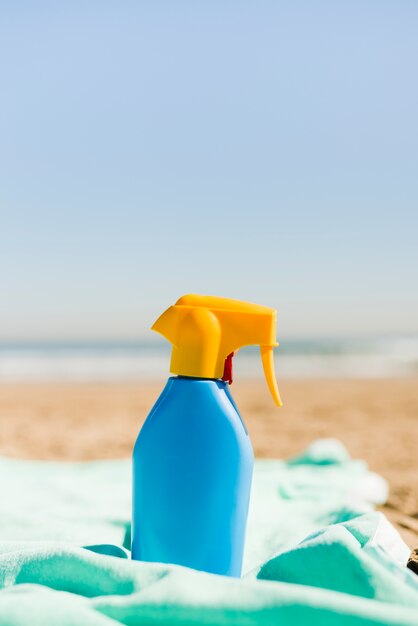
(192, 473)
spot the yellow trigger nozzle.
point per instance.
(205, 331)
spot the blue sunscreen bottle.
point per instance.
(193, 459)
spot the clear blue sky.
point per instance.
(265, 150)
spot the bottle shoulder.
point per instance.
(189, 404)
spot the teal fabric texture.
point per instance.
(317, 552)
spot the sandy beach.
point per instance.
(377, 420)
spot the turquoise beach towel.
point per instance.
(316, 551)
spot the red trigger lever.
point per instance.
(227, 375)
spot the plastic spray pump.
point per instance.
(193, 459)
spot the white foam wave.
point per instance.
(374, 359)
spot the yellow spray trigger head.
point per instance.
(205, 330)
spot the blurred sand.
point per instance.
(376, 419)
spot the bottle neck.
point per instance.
(182, 377)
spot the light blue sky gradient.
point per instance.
(264, 150)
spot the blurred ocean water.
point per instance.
(376, 357)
